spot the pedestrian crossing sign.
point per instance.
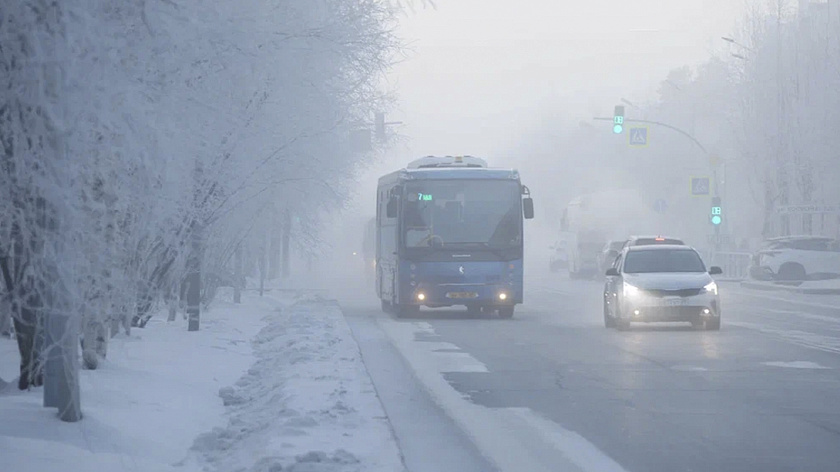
(700, 186)
(638, 136)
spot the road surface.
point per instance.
(552, 389)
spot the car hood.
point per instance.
(669, 281)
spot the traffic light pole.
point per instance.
(696, 142)
(664, 125)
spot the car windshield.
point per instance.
(463, 213)
(663, 260)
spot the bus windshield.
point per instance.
(462, 213)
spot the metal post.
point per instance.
(287, 233)
(717, 227)
(262, 263)
(237, 275)
(194, 281)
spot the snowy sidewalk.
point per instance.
(258, 389)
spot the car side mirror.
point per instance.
(391, 207)
(528, 208)
(612, 272)
(715, 270)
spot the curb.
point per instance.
(786, 288)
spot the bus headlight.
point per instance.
(712, 287)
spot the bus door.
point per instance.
(386, 244)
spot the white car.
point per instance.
(797, 258)
(609, 253)
(661, 283)
(559, 256)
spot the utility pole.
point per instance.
(780, 120)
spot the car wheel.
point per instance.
(620, 323)
(791, 271)
(506, 312)
(713, 324)
(609, 321)
(474, 309)
(386, 306)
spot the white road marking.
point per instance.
(796, 365)
(514, 439)
(689, 368)
(807, 316)
(800, 338)
(787, 300)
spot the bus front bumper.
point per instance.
(465, 294)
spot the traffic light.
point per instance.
(717, 213)
(618, 119)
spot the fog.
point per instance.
(512, 81)
(178, 178)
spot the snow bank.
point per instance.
(274, 382)
(144, 406)
(307, 404)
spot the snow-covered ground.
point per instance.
(276, 383)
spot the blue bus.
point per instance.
(449, 232)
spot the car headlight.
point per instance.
(630, 290)
(712, 287)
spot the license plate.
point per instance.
(675, 301)
(461, 295)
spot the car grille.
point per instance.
(686, 292)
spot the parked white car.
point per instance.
(797, 258)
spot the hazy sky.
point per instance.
(481, 71)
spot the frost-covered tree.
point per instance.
(789, 97)
(141, 137)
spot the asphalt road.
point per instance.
(763, 394)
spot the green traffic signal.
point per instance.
(716, 214)
(618, 119)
